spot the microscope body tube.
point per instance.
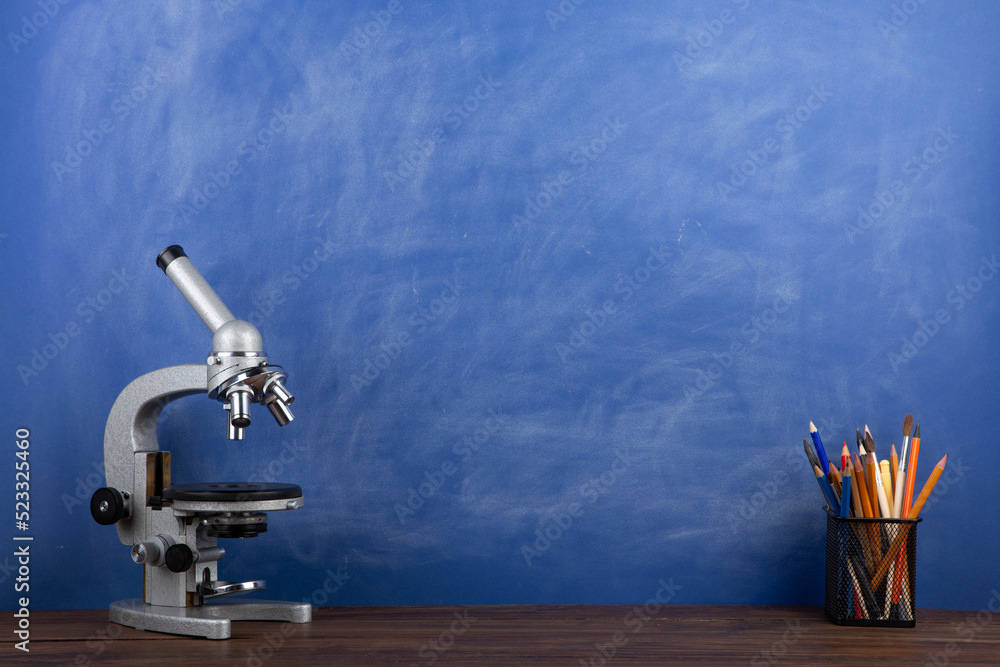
(238, 372)
(194, 287)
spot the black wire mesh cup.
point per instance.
(871, 571)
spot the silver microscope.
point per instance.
(173, 528)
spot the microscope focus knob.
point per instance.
(179, 558)
(107, 506)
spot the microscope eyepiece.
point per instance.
(169, 255)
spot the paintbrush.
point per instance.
(897, 501)
(875, 476)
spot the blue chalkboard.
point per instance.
(558, 286)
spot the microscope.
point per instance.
(173, 529)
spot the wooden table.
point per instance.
(524, 635)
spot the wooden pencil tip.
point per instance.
(942, 462)
(892, 450)
(916, 434)
(812, 428)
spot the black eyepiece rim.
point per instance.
(170, 254)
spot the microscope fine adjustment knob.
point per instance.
(107, 505)
(179, 558)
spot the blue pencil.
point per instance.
(825, 462)
(826, 488)
(845, 494)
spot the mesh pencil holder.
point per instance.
(871, 571)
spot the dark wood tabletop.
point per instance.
(594, 635)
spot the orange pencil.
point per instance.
(911, 473)
(928, 487)
(859, 477)
(869, 474)
(855, 495)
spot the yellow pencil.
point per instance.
(884, 469)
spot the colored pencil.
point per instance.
(845, 494)
(811, 454)
(844, 455)
(869, 473)
(883, 502)
(885, 471)
(911, 473)
(824, 462)
(928, 486)
(893, 465)
(862, 488)
(897, 504)
(855, 496)
(824, 485)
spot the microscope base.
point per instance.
(210, 620)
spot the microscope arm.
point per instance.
(131, 429)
